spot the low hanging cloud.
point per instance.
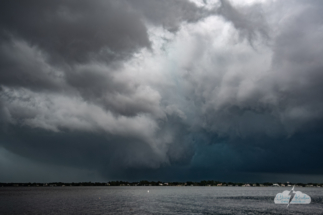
(158, 85)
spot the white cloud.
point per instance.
(55, 112)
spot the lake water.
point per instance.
(159, 200)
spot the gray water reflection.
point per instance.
(160, 200)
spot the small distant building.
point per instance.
(261, 185)
(247, 185)
(160, 184)
(166, 184)
(276, 185)
(254, 185)
(219, 185)
(282, 185)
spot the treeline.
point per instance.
(159, 183)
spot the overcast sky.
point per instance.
(98, 90)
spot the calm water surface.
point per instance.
(159, 200)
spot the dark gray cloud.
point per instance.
(175, 89)
(75, 30)
(25, 66)
(249, 20)
(169, 13)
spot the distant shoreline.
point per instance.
(160, 183)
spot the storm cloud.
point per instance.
(163, 90)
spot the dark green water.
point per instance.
(159, 200)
